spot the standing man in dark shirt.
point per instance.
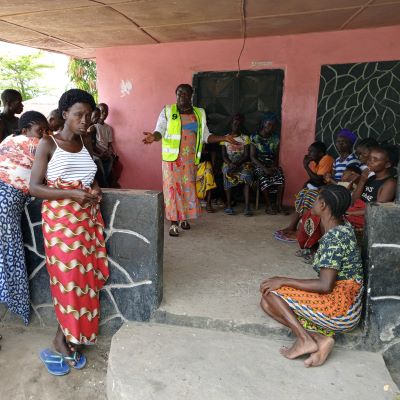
(12, 104)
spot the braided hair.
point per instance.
(28, 119)
(337, 198)
(72, 96)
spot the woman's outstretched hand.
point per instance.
(271, 284)
(149, 138)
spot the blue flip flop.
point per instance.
(54, 363)
(79, 362)
(229, 211)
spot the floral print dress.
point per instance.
(179, 177)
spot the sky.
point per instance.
(56, 78)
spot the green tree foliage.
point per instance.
(22, 73)
(83, 74)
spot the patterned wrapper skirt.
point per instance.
(77, 263)
(14, 287)
(204, 179)
(305, 200)
(236, 176)
(335, 312)
(266, 181)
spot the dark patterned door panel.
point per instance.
(252, 93)
(363, 97)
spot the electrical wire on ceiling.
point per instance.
(243, 29)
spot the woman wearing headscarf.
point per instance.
(182, 128)
(264, 154)
(344, 143)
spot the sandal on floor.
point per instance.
(229, 211)
(283, 238)
(248, 212)
(174, 230)
(77, 360)
(209, 209)
(185, 225)
(302, 252)
(308, 259)
(54, 362)
(270, 211)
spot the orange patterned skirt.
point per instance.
(338, 311)
(77, 263)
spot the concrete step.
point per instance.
(270, 328)
(156, 361)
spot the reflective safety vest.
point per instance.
(171, 141)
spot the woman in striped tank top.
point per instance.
(73, 232)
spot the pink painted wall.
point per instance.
(156, 70)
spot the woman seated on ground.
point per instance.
(380, 187)
(237, 166)
(316, 309)
(264, 153)
(205, 181)
(316, 163)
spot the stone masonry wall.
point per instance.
(382, 320)
(134, 239)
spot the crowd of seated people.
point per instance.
(252, 161)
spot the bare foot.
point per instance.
(325, 346)
(299, 348)
(291, 235)
(62, 347)
(288, 231)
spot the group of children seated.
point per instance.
(369, 173)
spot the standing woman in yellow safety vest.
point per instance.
(183, 130)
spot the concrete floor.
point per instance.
(212, 272)
(164, 362)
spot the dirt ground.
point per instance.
(24, 377)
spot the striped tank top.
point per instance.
(71, 167)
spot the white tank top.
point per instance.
(71, 166)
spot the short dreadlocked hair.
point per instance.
(9, 95)
(28, 119)
(337, 198)
(72, 96)
(321, 147)
(185, 86)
